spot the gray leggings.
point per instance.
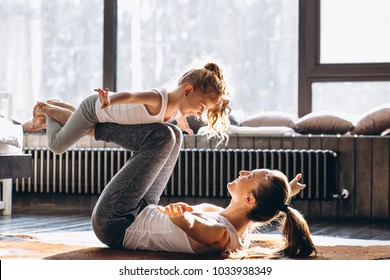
(140, 181)
(60, 138)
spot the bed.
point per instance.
(13, 162)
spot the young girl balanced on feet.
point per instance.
(198, 91)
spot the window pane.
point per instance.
(50, 49)
(350, 97)
(355, 31)
(257, 41)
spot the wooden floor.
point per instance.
(27, 221)
(48, 220)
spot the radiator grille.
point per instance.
(198, 172)
(81, 171)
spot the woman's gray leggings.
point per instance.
(140, 181)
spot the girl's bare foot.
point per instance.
(61, 104)
(37, 112)
(60, 114)
(37, 123)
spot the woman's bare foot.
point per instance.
(61, 104)
(60, 114)
(37, 123)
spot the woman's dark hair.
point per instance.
(272, 197)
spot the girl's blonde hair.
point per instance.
(210, 81)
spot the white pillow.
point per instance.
(11, 134)
(271, 118)
(256, 131)
(261, 130)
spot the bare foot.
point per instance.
(61, 104)
(60, 114)
(37, 112)
(103, 97)
(37, 123)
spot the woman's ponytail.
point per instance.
(297, 236)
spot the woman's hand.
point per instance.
(296, 187)
(103, 97)
(205, 230)
(175, 209)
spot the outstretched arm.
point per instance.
(207, 232)
(148, 98)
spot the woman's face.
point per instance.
(247, 182)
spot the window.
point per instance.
(50, 49)
(324, 57)
(358, 39)
(341, 96)
(257, 42)
(54, 49)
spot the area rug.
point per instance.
(84, 246)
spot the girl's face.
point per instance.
(196, 103)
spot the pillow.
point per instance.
(258, 131)
(6, 149)
(11, 134)
(271, 118)
(195, 123)
(326, 122)
(386, 132)
(374, 122)
(236, 117)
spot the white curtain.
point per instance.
(50, 49)
(20, 53)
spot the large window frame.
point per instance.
(110, 43)
(310, 70)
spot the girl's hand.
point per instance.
(103, 97)
(188, 130)
(175, 209)
(183, 125)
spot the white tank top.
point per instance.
(132, 113)
(154, 231)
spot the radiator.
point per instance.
(81, 170)
(198, 172)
